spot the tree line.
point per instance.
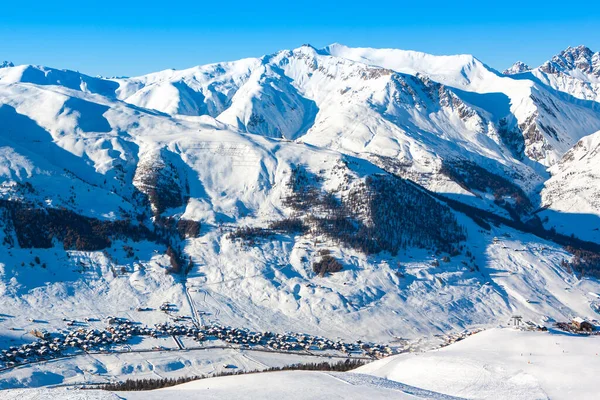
(152, 384)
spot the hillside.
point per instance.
(573, 187)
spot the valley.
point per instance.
(314, 203)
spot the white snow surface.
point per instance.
(292, 385)
(271, 385)
(502, 363)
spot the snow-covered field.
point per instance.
(501, 363)
(271, 385)
(106, 368)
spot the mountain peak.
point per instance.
(517, 68)
(580, 58)
(308, 48)
(6, 64)
(333, 46)
(576, 51)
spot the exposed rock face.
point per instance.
(517, 68)
(582, 162)
(512, 138)
(6, 64)
(574, 58)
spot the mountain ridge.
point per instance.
(289, 94)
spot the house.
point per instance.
(39, 333)
(582, 324)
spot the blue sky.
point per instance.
(134, 37)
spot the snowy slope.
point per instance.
(293, 385)
(457, 70)
(573, 189)
(203, 90)
(40, 75)
(272, 385)
(502, 363)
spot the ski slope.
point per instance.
(271, 385)
(502, 363)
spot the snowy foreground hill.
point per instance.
(499, 363)
(349, 194)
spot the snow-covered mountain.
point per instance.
(40, 75)
(288, 94)
(517, 68)
(440, 187)
(575, 71)
(531, 109)
(574, 61)
(499, 363)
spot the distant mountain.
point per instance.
(40, 75)
(574, 71)
(6, 64)
(574, 61)
(517, 68)
(531, 110)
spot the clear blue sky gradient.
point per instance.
(135, 37)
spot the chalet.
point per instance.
(39, 333)
(582, 325)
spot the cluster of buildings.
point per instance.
(119, 331)
(61, 343)
(292, 341)
(578, 325)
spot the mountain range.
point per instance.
(361, 192)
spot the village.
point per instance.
(119, 334)
(79, 338)
(119, 331)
